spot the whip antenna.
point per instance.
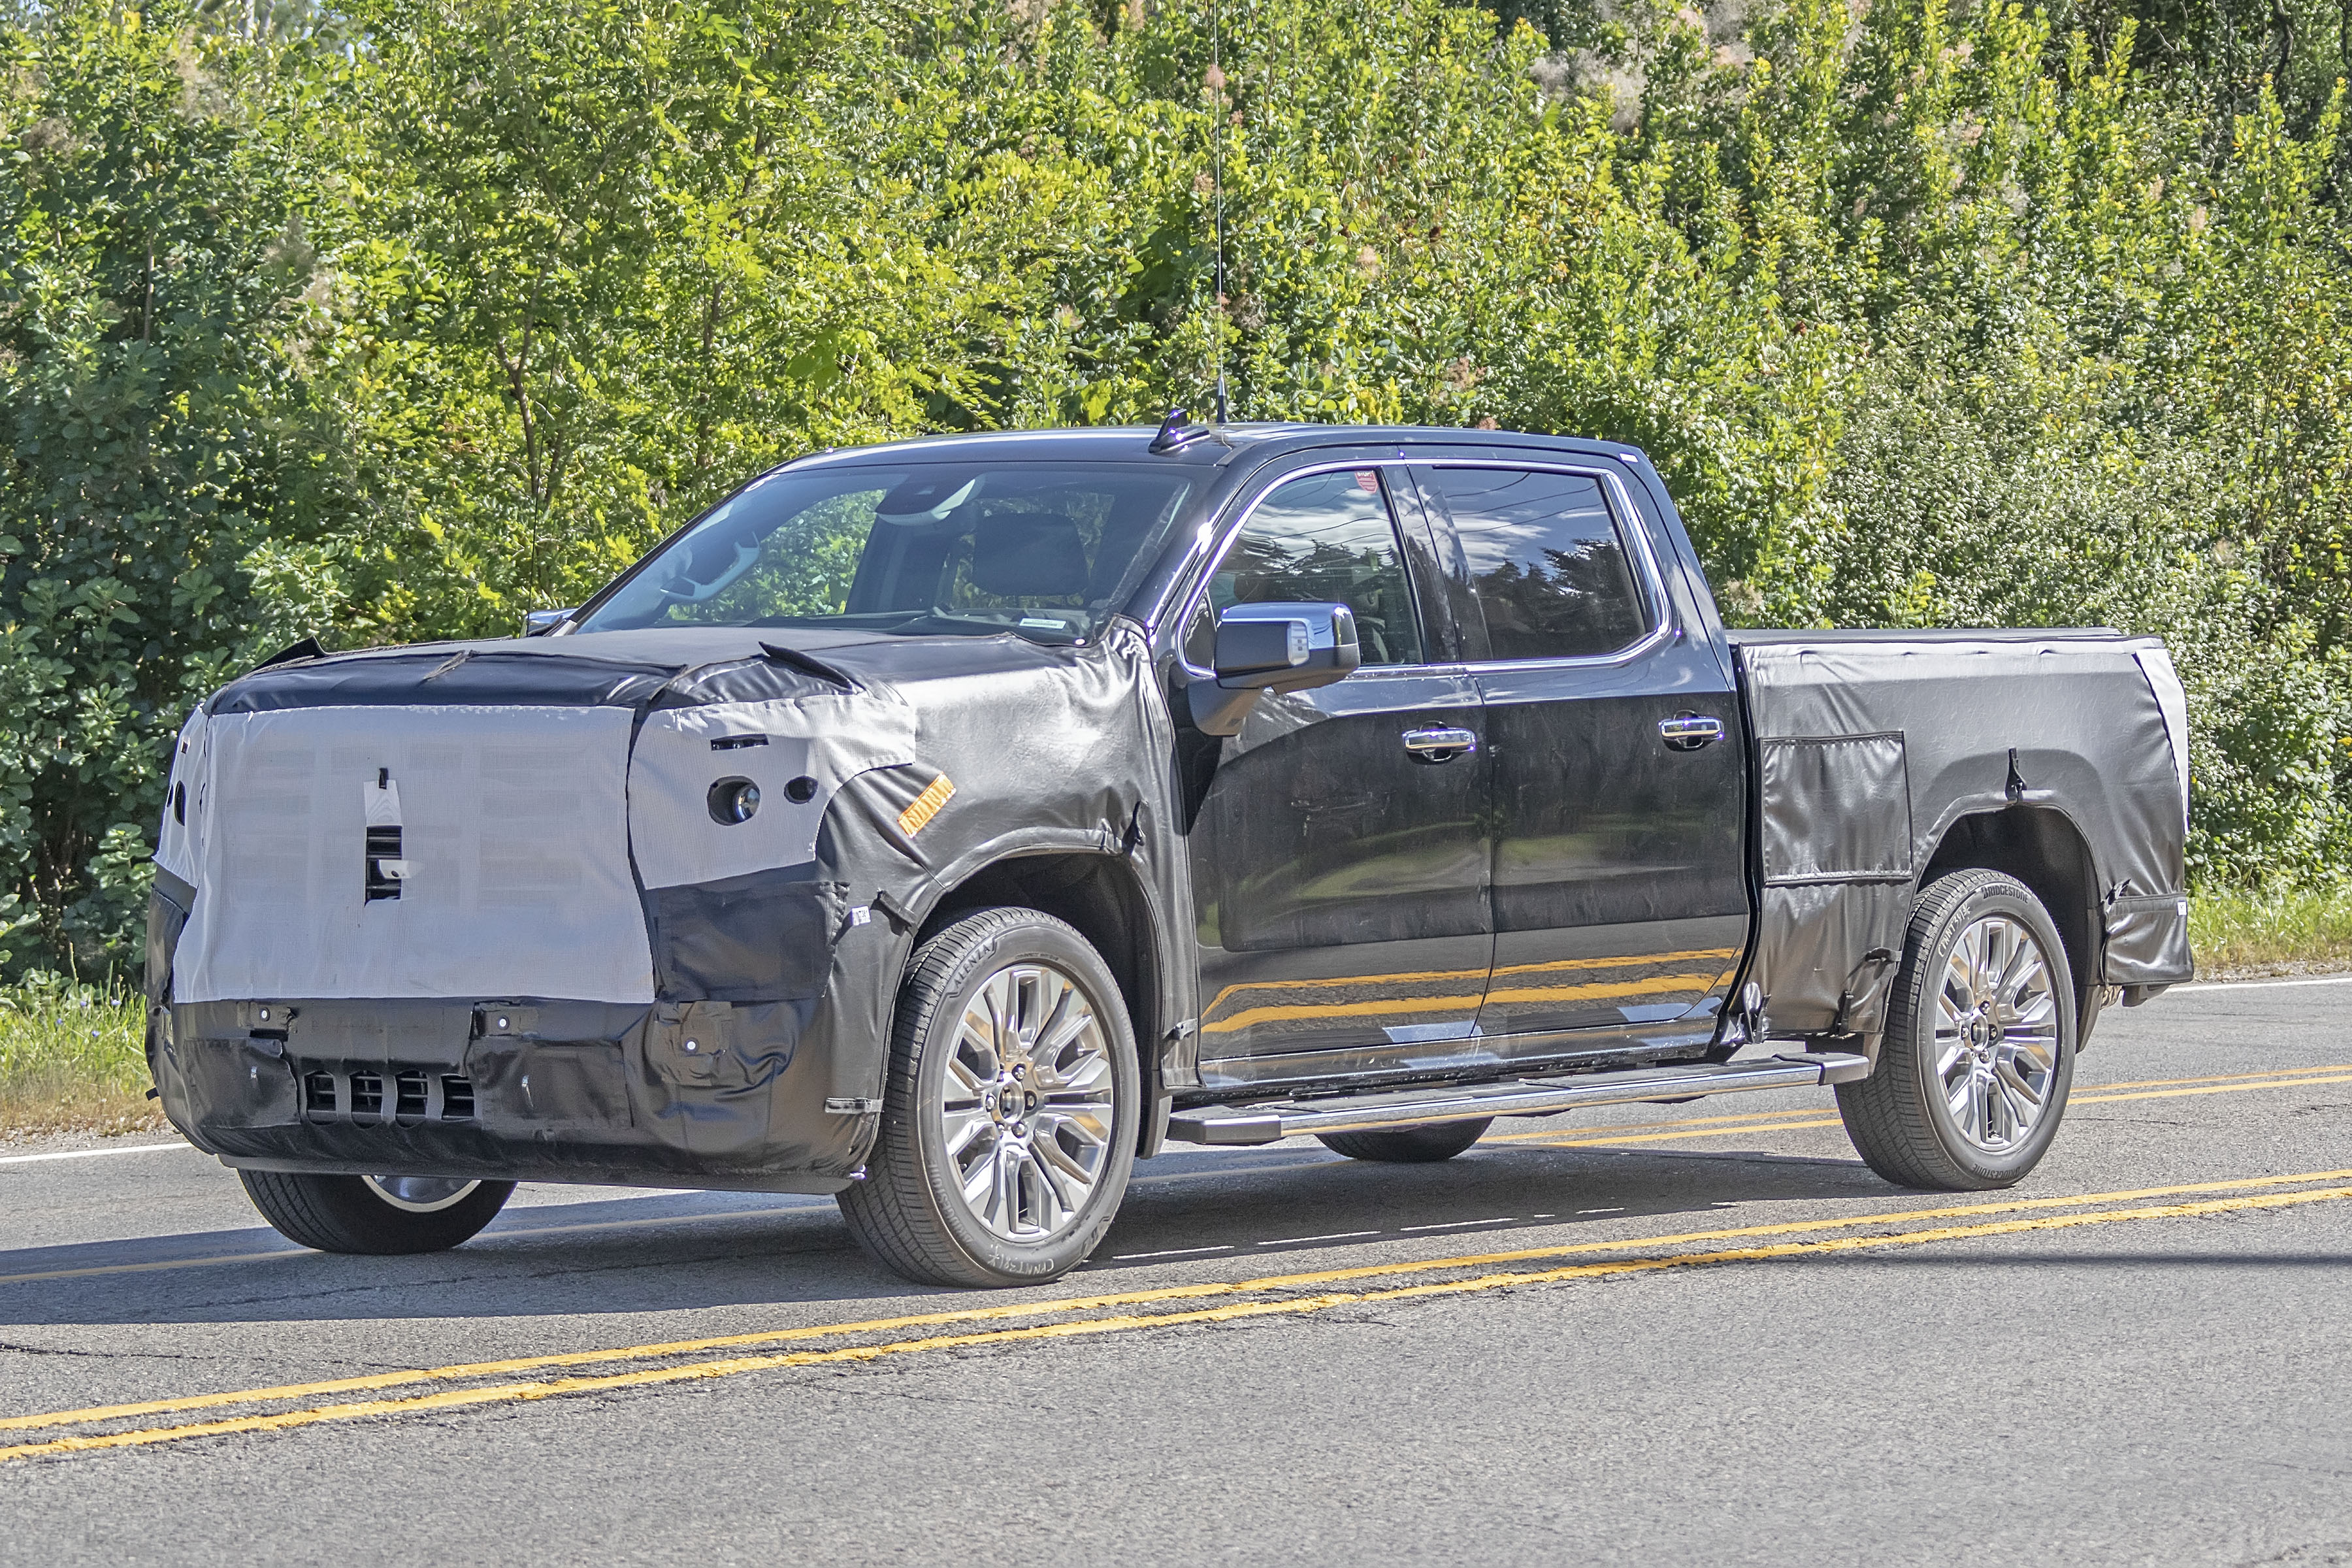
(1217, 187)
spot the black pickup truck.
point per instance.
(946, 825)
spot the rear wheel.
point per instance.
(1407, 1145)
(1979, 1055)
(374, 1215)
(1009, 1117)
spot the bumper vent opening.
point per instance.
(384, 863)
(332, 1094)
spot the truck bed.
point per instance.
(1877, 753)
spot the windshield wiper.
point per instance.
(793, 658)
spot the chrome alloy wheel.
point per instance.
(1027, 1108)
(1996, 1034)
(420, 1195)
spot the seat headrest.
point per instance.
(1028, 555)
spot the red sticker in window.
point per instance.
(1369, 480)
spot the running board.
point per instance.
(1268, 1122)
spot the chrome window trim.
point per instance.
(1223, 544)
(1649, 581)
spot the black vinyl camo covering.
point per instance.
(781, 979)
(1873, 747)
(733, 1028)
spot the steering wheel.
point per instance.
(746, 553)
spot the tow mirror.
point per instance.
(1273, 647)
(540, 623)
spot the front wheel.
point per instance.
(1979, 1054)
(1010, 1113)
(378, 1216)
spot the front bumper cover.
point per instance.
(699, 1093)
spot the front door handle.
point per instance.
(1442, 743)
(1689, 731)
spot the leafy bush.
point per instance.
(1930, 315)
(169, 460)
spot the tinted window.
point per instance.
(1549, 569)
(1318, 540)
(1043, 550)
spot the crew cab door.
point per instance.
(1339, 856)
(1620, 893)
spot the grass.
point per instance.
(2242, 933)
(72, 1059)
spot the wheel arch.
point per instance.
(1101, 896)
(2041, 847)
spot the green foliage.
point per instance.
(2237, 932)
(397, 326)
(168, 462)
(72, 1057)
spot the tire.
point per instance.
(1972, 1076)
(1407, 1145)
(378, 1216)
(998, 1162)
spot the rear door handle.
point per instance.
(1689, 731)
(1439, 744)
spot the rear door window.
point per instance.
(1546, 560)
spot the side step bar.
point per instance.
(1268, 1122)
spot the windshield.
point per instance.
(1043, 550)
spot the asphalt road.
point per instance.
(1677, 1333)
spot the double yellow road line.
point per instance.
(525, 1379)
(1647, 1132)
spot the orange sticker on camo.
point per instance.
(917, 816)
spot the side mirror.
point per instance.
(540, 622)
(1273, 647)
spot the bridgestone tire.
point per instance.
(910, 1213)
(1898, 1117)
(343, 1213)
(1407, 1145)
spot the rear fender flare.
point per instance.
(2043, 845)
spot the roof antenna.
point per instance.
(1217, 183)
(1176, 434)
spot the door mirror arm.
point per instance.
(1272, 648)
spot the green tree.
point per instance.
(172, 460)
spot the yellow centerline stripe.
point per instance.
(2208, 1088)
(1777, 1121)
(1743, 1118)
(708, 1371)
(2226, 1077)
(1561, 1142)
(1123, 1298)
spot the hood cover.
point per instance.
(481, 822)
